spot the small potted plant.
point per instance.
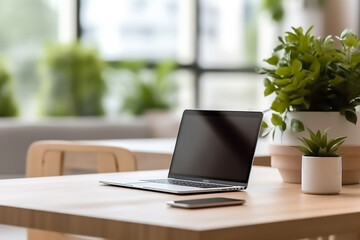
(152, 94)
(149, 89)
(321, 171)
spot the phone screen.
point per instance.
(206, 202)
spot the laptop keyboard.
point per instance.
(187, 183)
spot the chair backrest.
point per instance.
(46, 158)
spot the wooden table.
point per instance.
(156, 153)
(79, 205)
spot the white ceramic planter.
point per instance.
(321, 175)
(337, 124)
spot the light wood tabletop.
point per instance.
(79, 204)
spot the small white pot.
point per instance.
(321, 175)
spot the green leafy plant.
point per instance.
(8, 105)
(309, 73)
(276, 8)
(149, 89)
(72, 81)
(319, 145)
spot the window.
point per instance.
(26, 26)
(216, 44)
(203, 36)
(138, 29)
(227, 33)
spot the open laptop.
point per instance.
(214, 152)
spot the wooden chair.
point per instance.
(47, 158)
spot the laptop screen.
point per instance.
(217, 145)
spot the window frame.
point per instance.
(195, 68)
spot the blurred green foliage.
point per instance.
(72, 82)
(149, 89)
(277, 11)
(8, 106)
(275, 8)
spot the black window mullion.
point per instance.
(78, 22)
(195, 67)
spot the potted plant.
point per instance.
(72, 82)
(321, 169)
(8, 105)
(315, 85)
(152, 93)
(277, 11)
(149, 89)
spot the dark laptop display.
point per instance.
(217, 145)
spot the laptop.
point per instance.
(214, 152)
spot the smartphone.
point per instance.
(206, 202)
